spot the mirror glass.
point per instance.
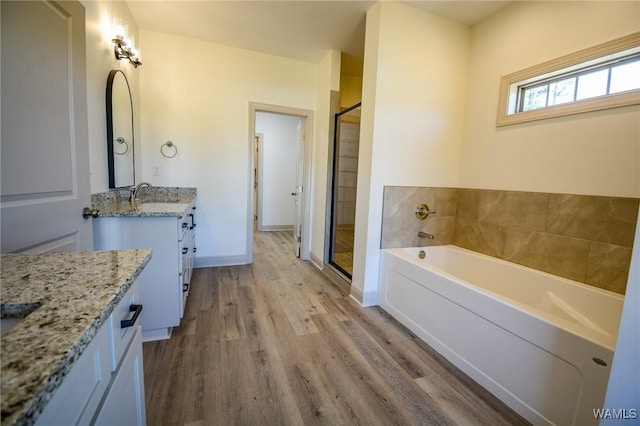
(119, 131)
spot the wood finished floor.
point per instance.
(276, 343)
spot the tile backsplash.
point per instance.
(581, 237)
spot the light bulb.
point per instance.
(119, 33)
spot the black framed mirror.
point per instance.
(120, 141)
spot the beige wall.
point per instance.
(350, 90)
(413, 135)
(411, 129)
(594, 153)
(199, 99)
(99, 16)
(328, 80)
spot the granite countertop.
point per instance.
(147, 208)
(69, 296)
(153, 202)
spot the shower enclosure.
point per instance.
(343, 189)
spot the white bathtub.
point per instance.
(537, 341)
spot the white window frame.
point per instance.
(510, 84)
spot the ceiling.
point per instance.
(300, 29)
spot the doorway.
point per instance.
(275, 171)
(344, 176)
(287, 159)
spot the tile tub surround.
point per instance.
(400, 226)
(74, 294)
(585, 238)
(152, 201)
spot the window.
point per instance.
(604, 76)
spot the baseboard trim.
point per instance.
(364, 299)
(157, 334)
(316, 261)
(370, 298)
(356, 295)
(214, 261)
(267, 228)
(337, 278)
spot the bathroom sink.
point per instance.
(14, 314)
(6, 324)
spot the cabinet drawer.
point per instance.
(121, 336)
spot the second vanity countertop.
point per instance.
(153, 202)
(146, 208)
(70, 296)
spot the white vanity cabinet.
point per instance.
(165, 281)
(187, 252)
(109, 369)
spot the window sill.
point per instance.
(588, 105)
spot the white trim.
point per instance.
(370, 298)
(317, 262)
(214, 261)
(259, 189)
(337, 278)
(307, 115)
(354, 297)
(268, 228)
(506, 94)
(157, 334)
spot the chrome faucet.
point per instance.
(134, 191)
(425, 235)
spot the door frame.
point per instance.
(307, 115)
(257, 175)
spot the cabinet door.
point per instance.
(77, 398)
(160, 281)
(124, 403)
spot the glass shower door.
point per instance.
(344, 181)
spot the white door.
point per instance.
(43, 144)
(297, 193)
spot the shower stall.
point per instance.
(344, 177)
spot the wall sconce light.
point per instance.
(124, 47)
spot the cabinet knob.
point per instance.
(185, 250)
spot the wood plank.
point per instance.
(398, 343)
(389, 389)
(319, 404)
(276, 342)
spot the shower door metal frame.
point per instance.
(332, 219)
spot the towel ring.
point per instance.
(121, 141)
(168, 144)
